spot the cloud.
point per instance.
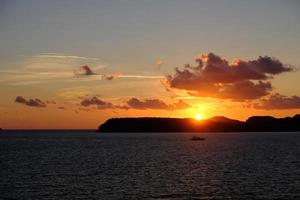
(62, 56)
(30, 102)
(21, 77)
(215, 77)
(95, 101)
(278, 101)
(156, 104)
(142, 76)
(59, 61)
(110, 77)
(134, 103)
(245, 90)
(48, 67)
(84, 70)
(119, 75)
(61, 107)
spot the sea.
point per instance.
(89, 165)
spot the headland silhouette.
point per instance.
(214, 124)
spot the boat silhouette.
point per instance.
(196, 138)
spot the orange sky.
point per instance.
(77, 65)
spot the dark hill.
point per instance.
(215, 124)
(267, 123)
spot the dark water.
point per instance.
(87, 165)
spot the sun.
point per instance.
(198, 116)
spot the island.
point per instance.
(214, 124)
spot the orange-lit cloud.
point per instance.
(215, 77)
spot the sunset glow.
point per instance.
(146, 59)
(198, 116)
(141, 99)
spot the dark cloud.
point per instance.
(134, 103)
(20, 99)
(30, 102)
(84, 70)
(214, 76)
(95, 101)
(87, 70)
(245, 90)
(61, 107)
(156, 104)
(269, 65)
(278, 101)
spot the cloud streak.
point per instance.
(85, 70)
(142, 76)
(62, 56)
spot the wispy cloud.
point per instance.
(51, 61)
(87, 71)
(62, 56)
(142, 76)
(20, 77)
(52, 66)
(24, 83)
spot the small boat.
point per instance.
(194, 138)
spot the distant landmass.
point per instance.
(214, 124)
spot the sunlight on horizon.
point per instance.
(198, 116)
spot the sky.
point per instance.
(75, 64)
